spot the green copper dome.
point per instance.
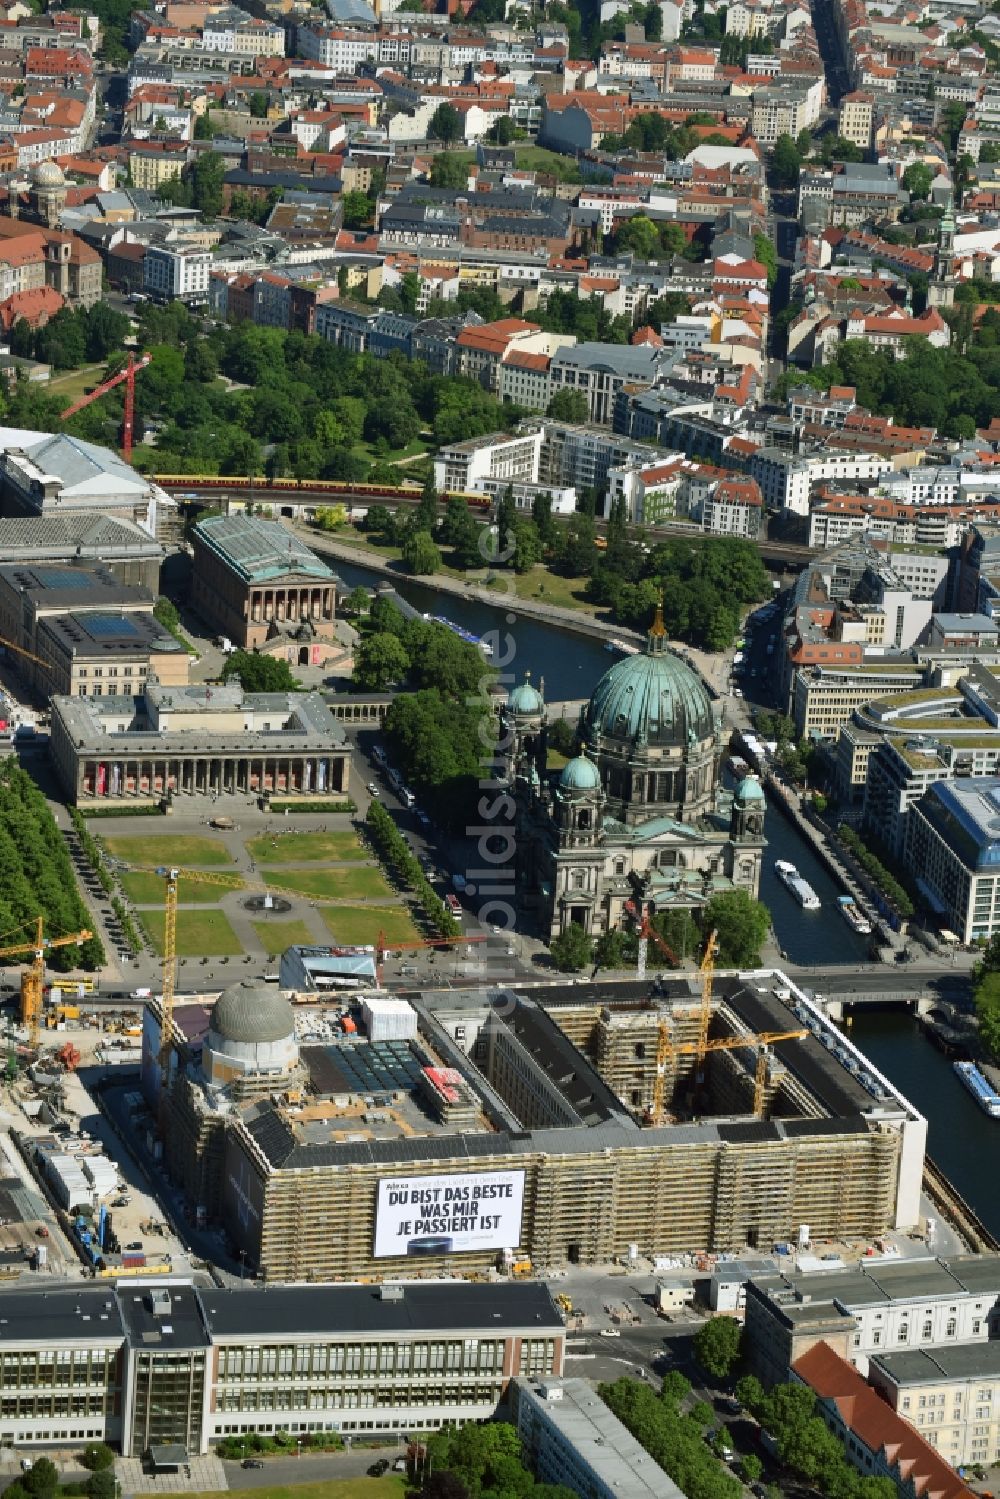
(524, 698)
(580, 774)
(652, 697)
(750, 790)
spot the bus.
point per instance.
(454, 905)
(72, 986)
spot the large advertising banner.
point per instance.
(448, 1214)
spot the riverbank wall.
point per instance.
(498, 598)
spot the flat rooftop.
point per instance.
(67, 1312)
(450, 1306)
(940, 1365)
(180, 1325)
(605, 1446)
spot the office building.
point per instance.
(876, 1441)
(951, 1395)
(571, 1437)
(146, 1366)
(879, 1306)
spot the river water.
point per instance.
(571, 664)
(962, 1139)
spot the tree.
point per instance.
(786, 163)
(97, 1456)
(765, 252)
(258, 104)
(420, 555)
(917, 179)
(381, 661)
(506, 515)
(568, 405)
(503, 130)
(541, 514)
(751, 1467)
(741, 924)
(640, 236)
(572, 950)
(204, 126)
(444, 1485)
(445, 124)
(449, 170)
(717, 1346)
(357, 209)
(387, 617)
(357, 601)
(102, 1485)
(206, 183)
(676, 1387)
(257, 673)
(425, 515)
(166, 613)
(42, 1477)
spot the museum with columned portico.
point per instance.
(198, 740)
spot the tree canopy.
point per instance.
(36, 876)
(257, 673)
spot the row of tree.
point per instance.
(876, 871)
(804, 1442)
(741, 925)
(482, 1462)
(397, 855)
(36, 876)
(673, 1437)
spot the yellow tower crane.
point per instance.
(761, 1039)
(33, 976)
(707, 971)
(666, 1047)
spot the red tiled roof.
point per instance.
(877, 1425)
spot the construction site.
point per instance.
(480, 1128)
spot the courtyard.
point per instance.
(326, 883)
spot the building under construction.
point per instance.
(568, 1127)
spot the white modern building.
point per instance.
(173, 273)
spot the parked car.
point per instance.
(373, 790)
(251, 1462)
(377, 1469)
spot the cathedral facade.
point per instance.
(638, 821)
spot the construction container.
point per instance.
(389, 1019)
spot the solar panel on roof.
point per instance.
(107, 626)
(64, 577)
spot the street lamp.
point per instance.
(298, 1447)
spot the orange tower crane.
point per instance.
(127, 375)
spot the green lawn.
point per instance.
(361, 925)
(184, 852)
(200, 934)
(275, 936)
(550, 588)
(330, 884)
(554, 760)
(306, 848)
(538, 159)
(147, 890)
(74, 384)
(391, 1486)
